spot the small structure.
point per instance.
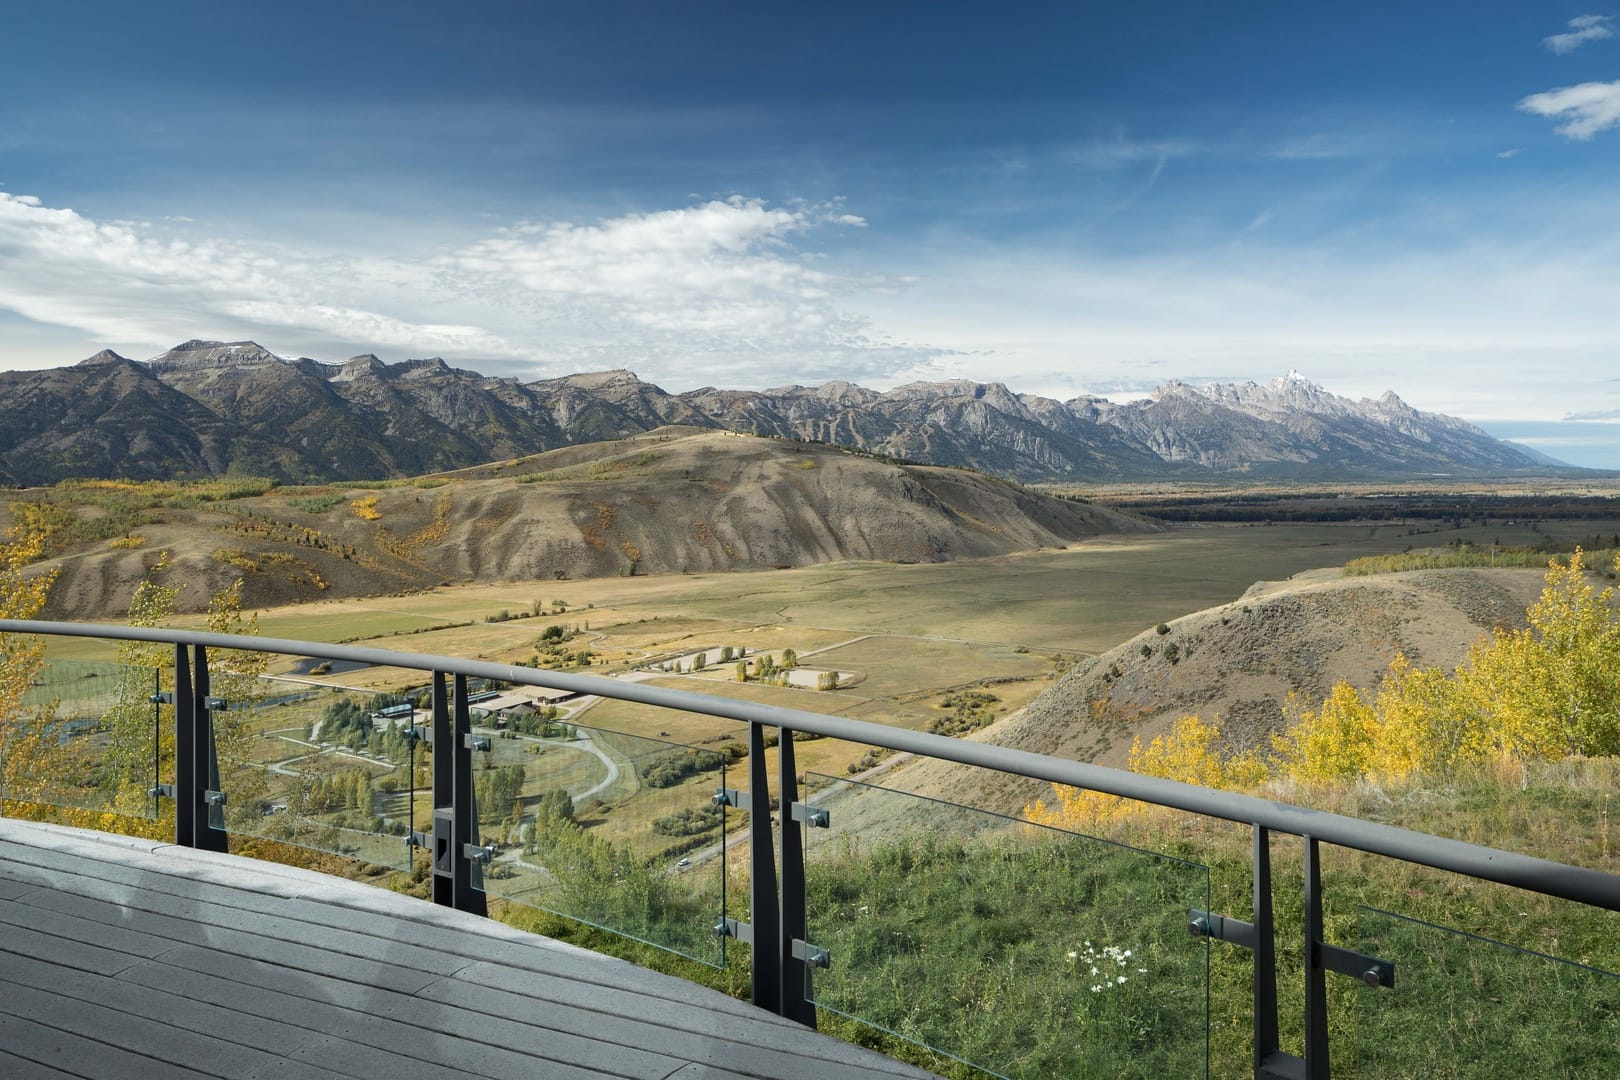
(500, 708)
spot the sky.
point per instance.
(1068, 198)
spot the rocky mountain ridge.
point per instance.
(208, 407)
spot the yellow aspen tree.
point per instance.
(29, 749)
(1332, 744)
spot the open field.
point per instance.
(1083, 599)
(911, 633)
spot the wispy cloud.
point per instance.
(1582, 29)
(121, 282)
(1510, 153)
(1121, 152)
(1311, 148)
(1585, 109)
(706, 291)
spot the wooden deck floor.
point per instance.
(132, 958)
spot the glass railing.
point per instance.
(1466, 1007)
(612, 830)
(321, 768)
(89, 738)
(1022, 950)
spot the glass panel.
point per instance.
(320, 767)
(613, 830)
(88, 740)
(1466, 1006)
(1022, 950)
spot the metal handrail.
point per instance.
(1527, 872)
(781, 957)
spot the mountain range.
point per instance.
(208, 408)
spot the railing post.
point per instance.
(211, 834)
(795, 1004)
(186, 797)
(455, 814)
(1266, 1035)
(1316, 1033)
(198, 800)
(765, 912)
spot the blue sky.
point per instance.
(1069, 198)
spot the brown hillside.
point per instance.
(674, 500)
(1237, 663)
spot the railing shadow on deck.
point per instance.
(1126, 932)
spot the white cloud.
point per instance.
(1582, 29)
(120, 282)
(1585, 109)
(723, 290)
(1515, 323)
(711, 285)
(1510, 153)
(1511, 321)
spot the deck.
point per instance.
(134, 958)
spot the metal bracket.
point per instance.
(418, 839)
(814, 956)
(733, 928)
(214, 798)
(162, 697)
(160, 791)
(474, 853)
(1372, 971)
(1205, 924)
(476, 742)
(813, 816)
(740, 800)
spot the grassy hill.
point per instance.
(1237, 663)
(673, 500)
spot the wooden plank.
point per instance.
(481, 940)
(291, 971)
(10, 890)
(16, 1068)
(78, 1055)
(375, 1017)
(694, 1035)
(221, 1020)
(22, 940)
(594, 971)
(53, 913)
(166, 1042)
(694, 1071)
(246, 942)
(206, 910)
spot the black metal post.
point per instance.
(1266, 1035)
(765, 912)
(467, 897)
(186, 797)
(157, 743)
(444, 787)
(210, 820)
(1316, 1033)
(795, 1003)
(196, 765)
(455, 825)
